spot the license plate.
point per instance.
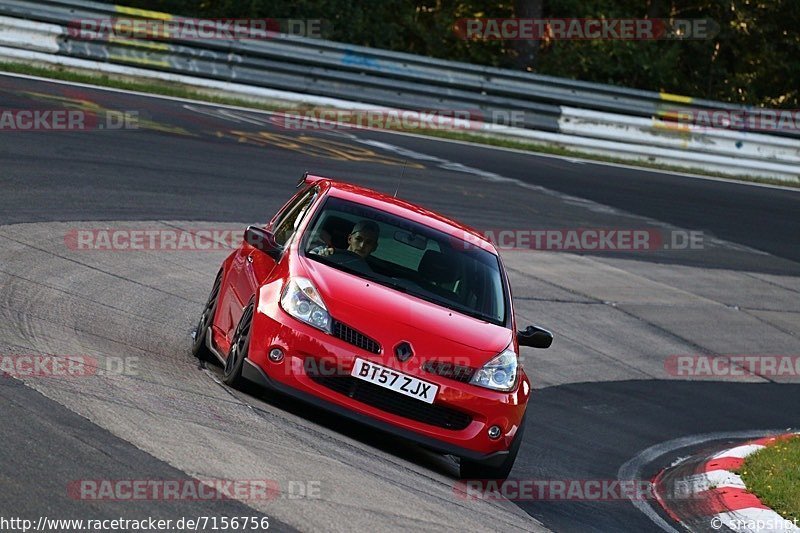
(393, 380)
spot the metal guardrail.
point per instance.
(405, 81)
(432, 80)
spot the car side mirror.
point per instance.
(535, 337)
(263, 240)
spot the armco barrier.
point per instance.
(596, 118)
(33, 35)
(662, 133)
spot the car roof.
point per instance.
(402, 208)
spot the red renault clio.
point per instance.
(381, 311)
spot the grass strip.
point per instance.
(773, 474)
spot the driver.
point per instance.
(362, 240)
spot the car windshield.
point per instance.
(408, 257)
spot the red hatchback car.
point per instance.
(381, 311)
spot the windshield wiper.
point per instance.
(475, 314)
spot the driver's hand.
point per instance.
(326, 251)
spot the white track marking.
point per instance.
(740, 452)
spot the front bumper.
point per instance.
(255, 374)
(274, 328)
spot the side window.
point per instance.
(287, 224)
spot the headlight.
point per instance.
(500, 373)
(302, 300)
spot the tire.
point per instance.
(232, 374)
(478, 470)
(199, 348)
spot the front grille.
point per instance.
(356, 338)
(395, 403)
(449, 370)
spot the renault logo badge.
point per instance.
(403, 352)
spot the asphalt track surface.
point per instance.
(603, 393)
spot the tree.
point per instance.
(755, 58)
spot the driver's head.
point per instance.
(363, 240)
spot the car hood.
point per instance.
(390, 317)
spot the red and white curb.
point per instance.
(726, 503)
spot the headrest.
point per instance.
(438, 267)
(338, 229)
